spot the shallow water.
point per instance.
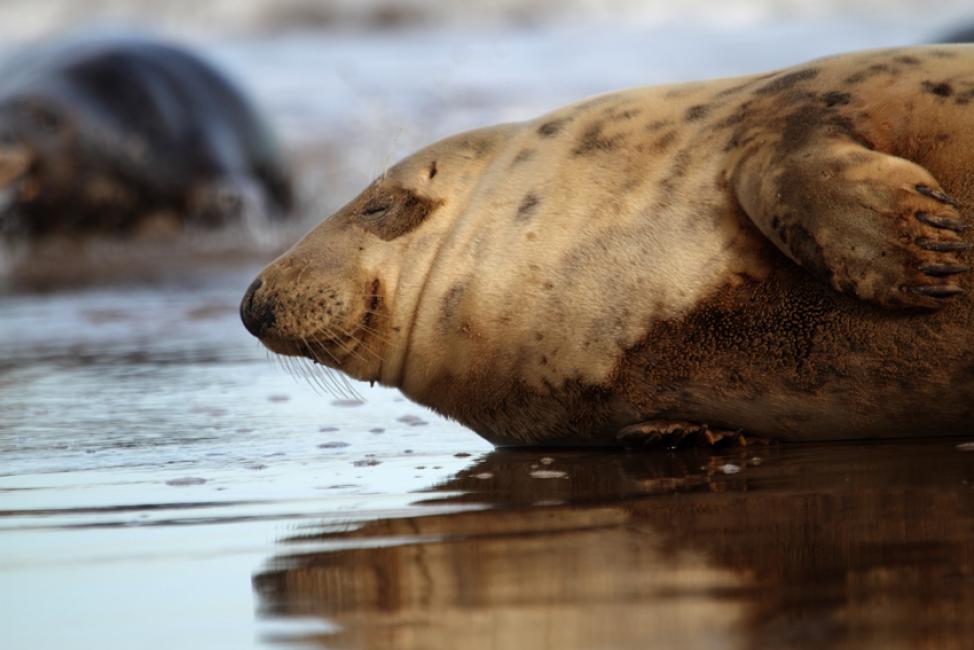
(164, 483)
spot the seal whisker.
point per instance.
(301, 371)
(325, 380)
(320, 382)
(374, 332)
(340, 379)
(352, 349)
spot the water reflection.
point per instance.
(784, 546)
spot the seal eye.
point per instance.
(374, 210)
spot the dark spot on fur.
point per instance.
(808, 121)
(836, 98)
(551, 127)
(391, 211)
(528, 205)
(964, 98)
(615, 113)
(867, 73)
(665, 140)
(941, 89)
(696, 112)
(451, 300)
(656, 125)
(777, 326)
(480, 146)
(735, 118)
(677, 170)
(631, 184)
(593, 140)
(522, 156)
(433, 169)
(786, 81)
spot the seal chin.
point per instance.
(349, 353)
(284, 347)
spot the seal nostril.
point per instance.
(257, 316)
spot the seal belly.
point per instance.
(789, 358)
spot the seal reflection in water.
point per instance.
(783, 254)
(853, 545)
(97, 135)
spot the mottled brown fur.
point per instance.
(679, 268)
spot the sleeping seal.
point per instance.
(97, 134)
(784, 254)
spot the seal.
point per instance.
(96, 134)
(783, 254)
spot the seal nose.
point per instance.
(257, 316)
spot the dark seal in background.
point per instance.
(99, 134)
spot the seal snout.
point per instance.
(257, 314)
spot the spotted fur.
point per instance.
(742, 253)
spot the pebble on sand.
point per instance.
(186, 480)
(548, 473)
(367, 462)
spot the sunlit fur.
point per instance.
(554, 280)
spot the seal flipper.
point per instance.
(671, 434)
(873, 225)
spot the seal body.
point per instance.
(783, 254)
(97, 133)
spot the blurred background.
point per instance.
(353, 85)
